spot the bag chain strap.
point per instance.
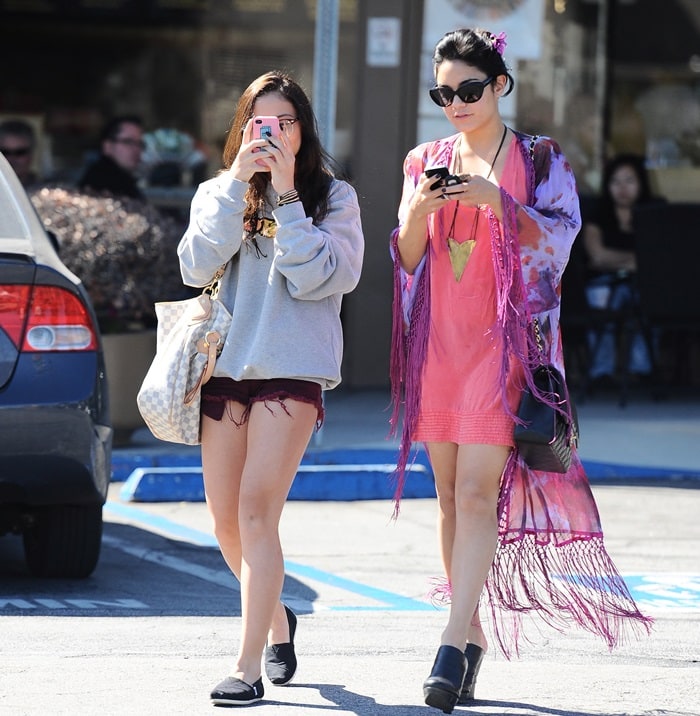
(538, 340)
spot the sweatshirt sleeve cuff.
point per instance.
(232, 188)
(289, 212)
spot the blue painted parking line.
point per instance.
(654, 591)
(679, 591)
(386, 600)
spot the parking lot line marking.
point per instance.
(388, 600)
(216, 576)
(668, 591)
(162, 524)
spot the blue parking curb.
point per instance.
(601, 471)
(344, 474)
(124, 462)
(344, 483)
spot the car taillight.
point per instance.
(13, 310)
(45, 318)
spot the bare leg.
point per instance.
(467, 480)
(248, 473)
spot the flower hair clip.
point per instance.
(498, 42)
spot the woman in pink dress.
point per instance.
(476, 262)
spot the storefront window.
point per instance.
(601, 77)
(655, 90)
(180, 64)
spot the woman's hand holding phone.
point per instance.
(246, 162)
(468, 189)
(265, 149)
(435, 185)
(278, 159)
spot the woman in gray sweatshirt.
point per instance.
(290, 235)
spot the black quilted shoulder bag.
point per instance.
(547, 435)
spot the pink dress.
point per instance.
(461, 398)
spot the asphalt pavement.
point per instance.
(157, 625)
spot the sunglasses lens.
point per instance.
(442, 96)
(470, 92)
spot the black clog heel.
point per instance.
(444, 685)
(474, 655)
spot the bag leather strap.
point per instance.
(208, 345)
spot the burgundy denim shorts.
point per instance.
(217, 392)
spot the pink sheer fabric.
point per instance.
(551, 560)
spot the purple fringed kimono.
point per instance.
(550, 559)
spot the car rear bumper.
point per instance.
(52, 455)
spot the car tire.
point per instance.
(64, 541)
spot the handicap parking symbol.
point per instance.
(664, 591)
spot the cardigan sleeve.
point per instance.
(546, 230)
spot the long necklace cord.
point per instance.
(460, 252)
(493, 164)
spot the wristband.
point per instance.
(289, 197)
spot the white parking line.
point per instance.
(222, 578)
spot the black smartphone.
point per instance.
(444, 178)
(439, 172)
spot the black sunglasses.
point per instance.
(19, 152)
(469, 91)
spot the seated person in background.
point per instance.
(114, 172)
(609, 242)
(17, 143)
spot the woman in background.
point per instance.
(610, 246)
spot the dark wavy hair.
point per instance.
(476, 48)
(312, 173)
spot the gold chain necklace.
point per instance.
(461, 252)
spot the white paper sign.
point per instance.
(383, 42)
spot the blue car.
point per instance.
(55, 433)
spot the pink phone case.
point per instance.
(264, 127)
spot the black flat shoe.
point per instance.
(444, 685)
(280, 659)
(474, 655)
(236, 692)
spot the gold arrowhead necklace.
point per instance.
(460, 252)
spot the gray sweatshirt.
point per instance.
(285, 305)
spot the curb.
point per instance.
(344, 483)
(324, 475)
(330, 475)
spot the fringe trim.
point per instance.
(575, 583)
(566, 577)
(408, 349)
(440, 594)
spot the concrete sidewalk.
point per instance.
(351, 457)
